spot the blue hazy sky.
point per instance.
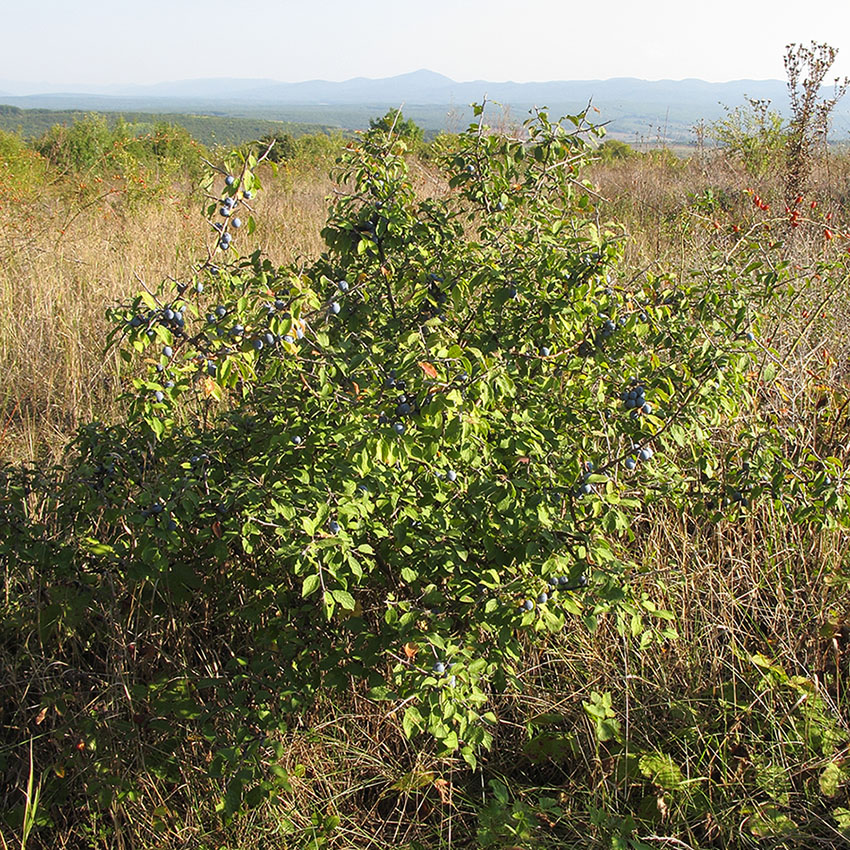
(114, 41)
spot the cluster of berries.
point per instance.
(634, 399)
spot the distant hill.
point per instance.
(205, 88)
(655, 110)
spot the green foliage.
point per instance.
(612, 150)
(405, 128)
(458, 442)
(90, 145)
(209, 130)
(79, 147)
(511, 819)
(440, 147)
(320, 149)
(753, 132)
(167, 151)
(281, 147)
(21, 169)
(305, 152)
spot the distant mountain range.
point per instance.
(656, 110)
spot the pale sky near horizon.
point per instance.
(104, 42)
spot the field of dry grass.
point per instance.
(67, 254)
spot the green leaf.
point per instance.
(500, 791)
(414, 781)
(662, 770)
(842, 819)
(233, 796)
(310, 585)
(345, 599)
(832, 778)
(450, 741)
(770, 821)
(412, 721)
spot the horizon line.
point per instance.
(65, 86)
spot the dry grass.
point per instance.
(67, 256)
(671, 206)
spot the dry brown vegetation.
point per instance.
(67, 254)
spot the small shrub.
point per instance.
(281, 147)
(90, 146)
(753, 133)
(21, 169)
(393, 121)
(612, 150)
(77, 148)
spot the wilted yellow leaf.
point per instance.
(444, 789)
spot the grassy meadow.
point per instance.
(735, 735)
